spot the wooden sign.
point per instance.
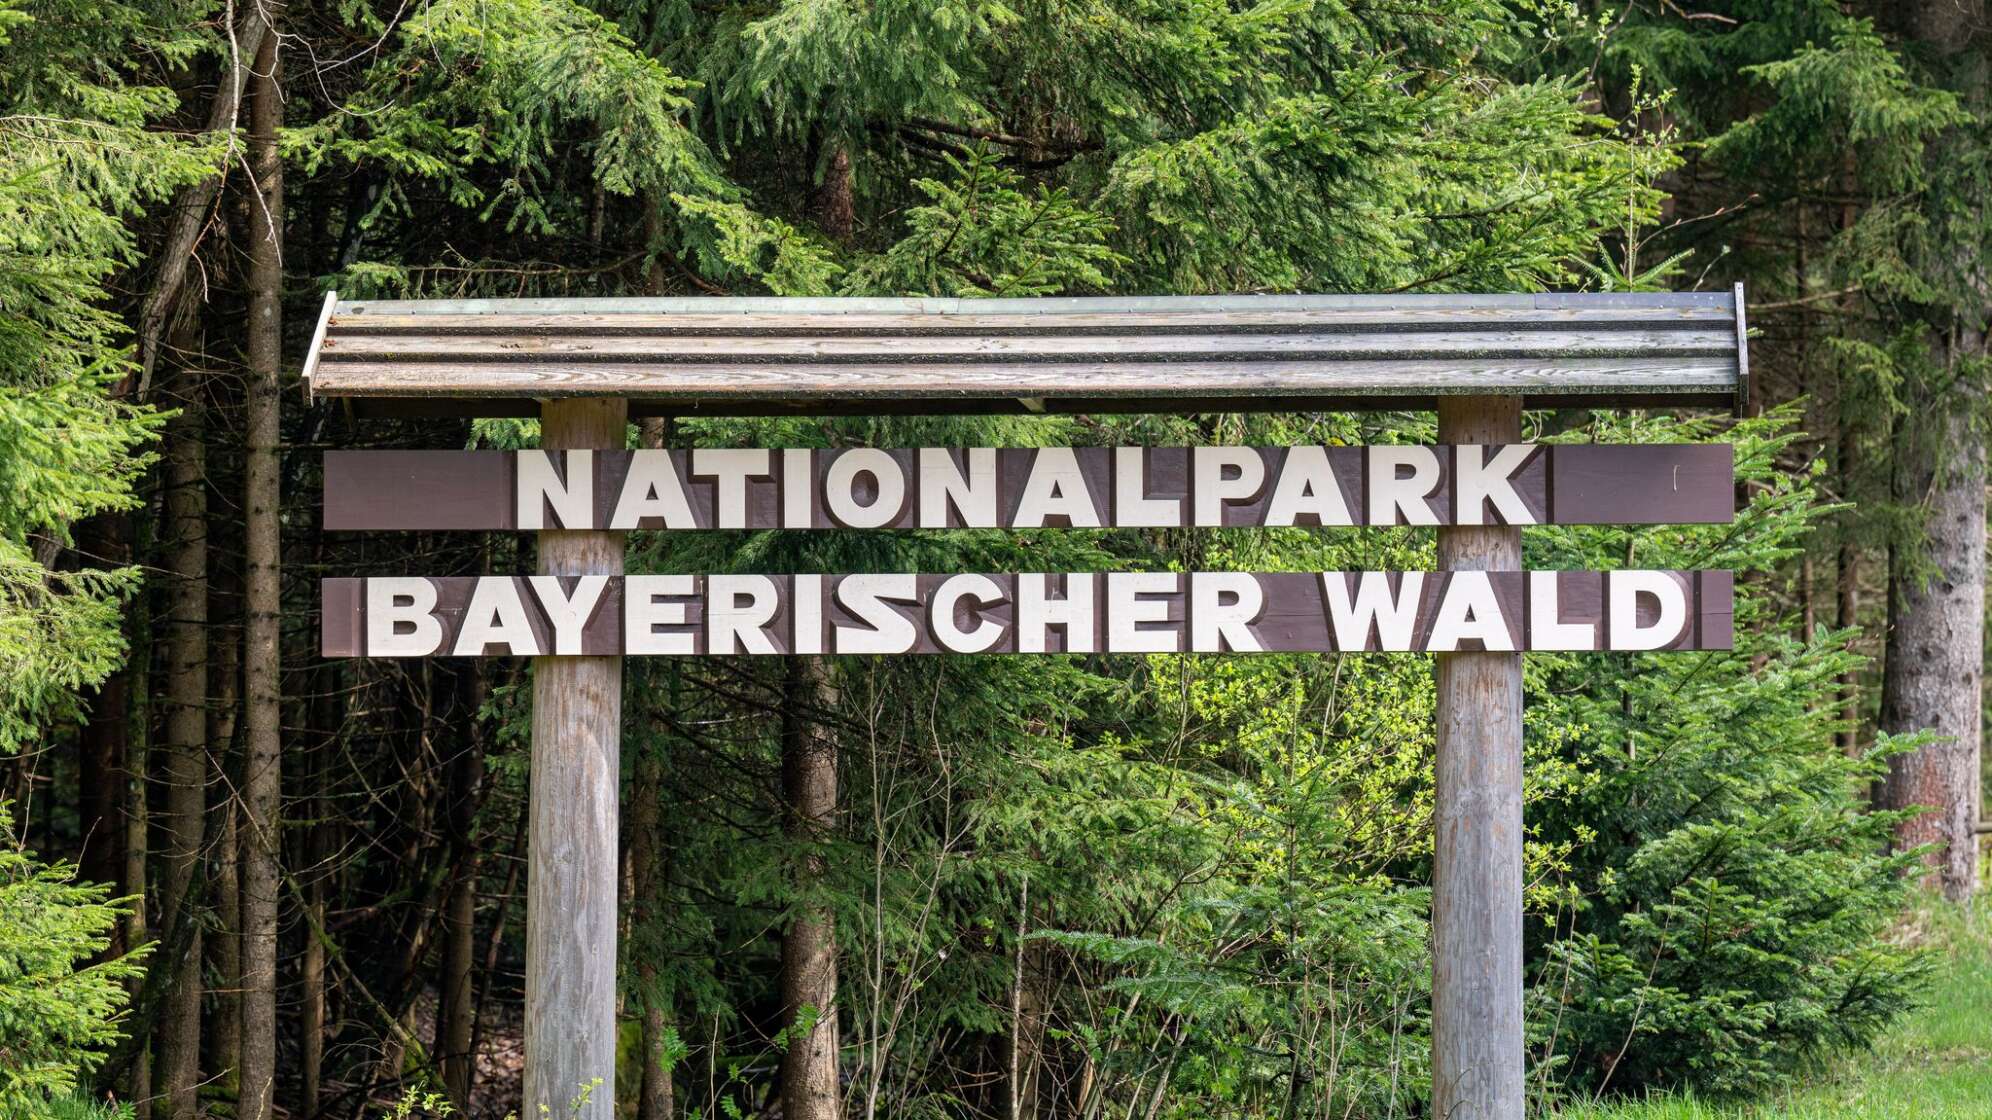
(1029, 488)
(1115, 612)
(586, 366)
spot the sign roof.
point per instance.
(735, 356)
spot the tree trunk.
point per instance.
(1936, 644)
(835, 209)
(137, 822)
(262, 762)
(325, 721)
(191, 205)
(1849, 586)
(184, 758)
(457, 1017)
(223, 942)
(810, 1086)
(102, 783)
(656, 1096)
(1027, 1008)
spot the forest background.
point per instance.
(999, 887)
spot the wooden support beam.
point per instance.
(1477, 855)
(571, 847)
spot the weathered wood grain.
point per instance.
(1477, 1058)
(571, 844)
(1291, 383)
(717, 356)
(572, 345)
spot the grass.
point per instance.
(1936, 1064)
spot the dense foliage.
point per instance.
(1166, 887)
(58, 1011)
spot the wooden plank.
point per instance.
(1742, 402)
(1477, 1040)
(571, 995)
(1708, 379)
(1690, 317)
(991, 488)
(1037, 305)
(575, 346)
(727, 356)
(1002, 613)
(418, 407)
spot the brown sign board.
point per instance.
(1024, 488)
(1114, 612)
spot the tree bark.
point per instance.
(262, 762)
(1027, 1008)
(1849, 586)
(656, 1095)
(835, 209)
(457, 1016)
(1936, 643)
(191, 205)
(326, 715)
(1933, 676)
(103, 781)
(184, 758)
(810, 1084)
(137, 822)
(223, 942)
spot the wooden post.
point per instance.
(1477, 859)
(571, 846)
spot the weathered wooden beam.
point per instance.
(1477, 1058)
(1276, 384)
(571, 842)
(727, 356)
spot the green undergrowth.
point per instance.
(1935, 1064)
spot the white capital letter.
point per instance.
(941, 613)
(942, 484)
(840, 488)
(1547, 630)
(1307, 488)
(1217, 625)
(1056, 488)
(1213, 488)
(1391, 496)
(572, 498)
(1395, 618)
(1478, 480)
(646, 606)
(652, 489)
(496, 616)
(1132, 599)
(1625, 589)
(730, 468)
(885, 629)
(733, 626)
(1470, 611)
(397, 601)
(1133, 508)
(1036, 611)
(568, 615)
